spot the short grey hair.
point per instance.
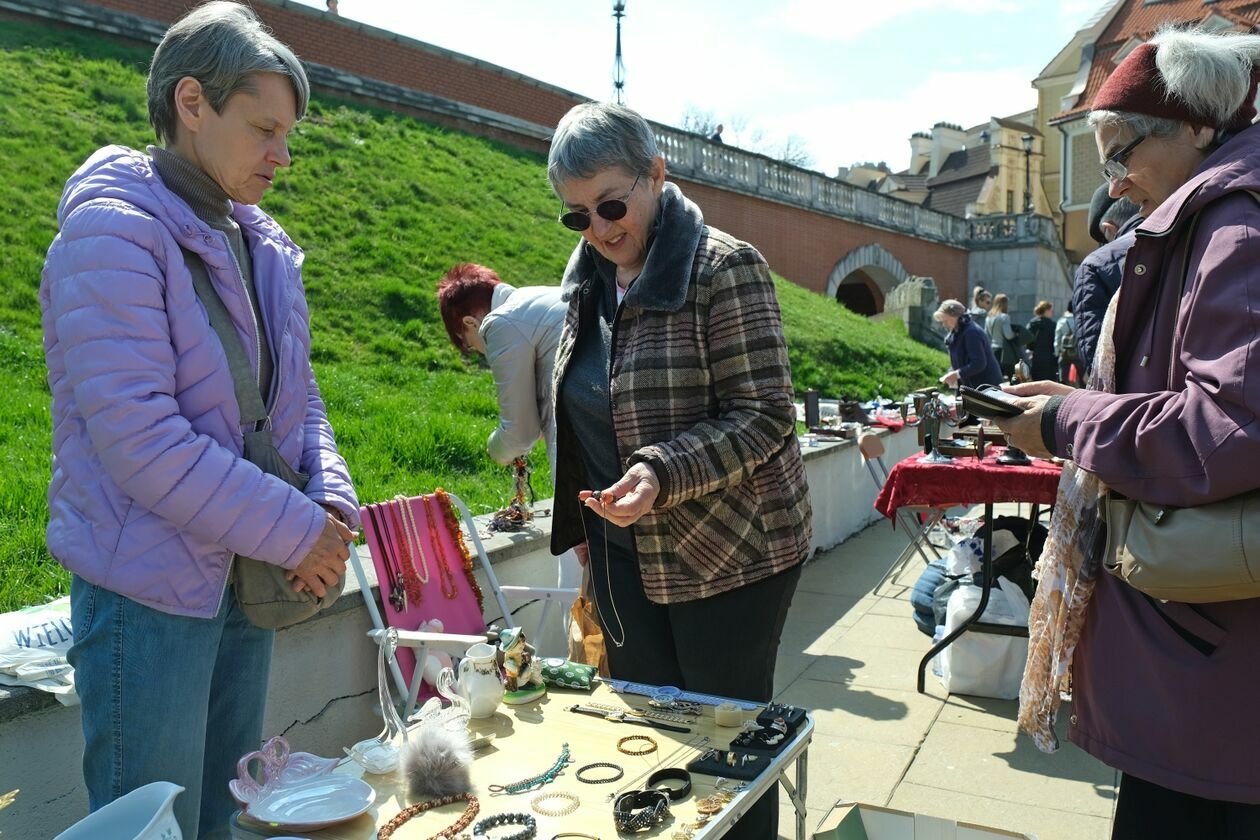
(220, 45)
(1135, 124)
(595, 136)
(951, 307)
(1210, 72)
(1120, 211)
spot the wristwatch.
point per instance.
(622, 717)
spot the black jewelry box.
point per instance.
(713, 763)
(793, 716)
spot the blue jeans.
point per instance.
(167, 698)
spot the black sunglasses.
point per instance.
(612, 210)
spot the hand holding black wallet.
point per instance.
(989, 403)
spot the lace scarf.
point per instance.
(1066, 573)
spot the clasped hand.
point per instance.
(325, 564)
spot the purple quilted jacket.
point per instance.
(150, 496)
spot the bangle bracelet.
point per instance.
(650, 748)
(571, 804)
(671, 773)
(530, 826)
(597, 766)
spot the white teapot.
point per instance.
(480, 682)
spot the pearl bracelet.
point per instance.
(571, 804)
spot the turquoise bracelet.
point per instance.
(535, 782)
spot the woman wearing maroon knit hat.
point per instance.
(1163, 691)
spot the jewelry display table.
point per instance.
(527, 741)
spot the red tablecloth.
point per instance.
(967, 481)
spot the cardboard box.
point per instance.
(857, 821)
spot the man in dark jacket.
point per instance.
(1099, 274)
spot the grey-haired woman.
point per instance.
(675, 425)
(1161, 690)
(152, 496)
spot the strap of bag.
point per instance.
(248, 394)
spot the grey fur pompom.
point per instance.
(437, 762)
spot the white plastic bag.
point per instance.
(967, 555)
(33, 647)
(983, 664)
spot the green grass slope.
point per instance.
(383, 204)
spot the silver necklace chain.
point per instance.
(607, 579)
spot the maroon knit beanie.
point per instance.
(1136, 86)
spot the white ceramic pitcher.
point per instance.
(146, 813)
(480, 682)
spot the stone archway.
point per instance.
(862, 280)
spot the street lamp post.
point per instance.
(1028, 147)
(619, 69)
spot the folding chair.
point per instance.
(916, 521)
(464, 616)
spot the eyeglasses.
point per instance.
(611, 210)
(1114, 168)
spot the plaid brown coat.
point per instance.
(701, 390)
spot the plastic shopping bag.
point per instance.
(982, 664)
(33, 647)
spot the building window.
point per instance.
(1010, 202)
(1086, 171)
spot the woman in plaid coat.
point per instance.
(678, 464)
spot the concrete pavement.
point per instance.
(850, 654)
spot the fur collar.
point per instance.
(662, 285)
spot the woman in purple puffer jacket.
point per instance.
(150, 496)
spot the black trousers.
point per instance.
(1146, 811)
(725, 645)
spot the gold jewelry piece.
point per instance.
(571, 804)
(650, 748)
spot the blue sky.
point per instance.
(853, 80)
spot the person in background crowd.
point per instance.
(981, 300)
(1002, 336)
(1170, 420)
(684, 481)
(971, 358)
(517, 330)
(152, 495)
(1041, 328)
(331, 6)
(1098, 275)
(716, 136)
(1065, 348)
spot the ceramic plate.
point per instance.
(314, 803)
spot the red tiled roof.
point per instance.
(1139, 18)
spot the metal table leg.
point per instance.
(973, 621)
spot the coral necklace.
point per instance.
(444, 570)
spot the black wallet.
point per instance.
(989, 403)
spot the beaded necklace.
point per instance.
(444, 570)
(535, 782)
(397, 593)
(457, 534)
(411, 579)
(412, 534)
(410, 811)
